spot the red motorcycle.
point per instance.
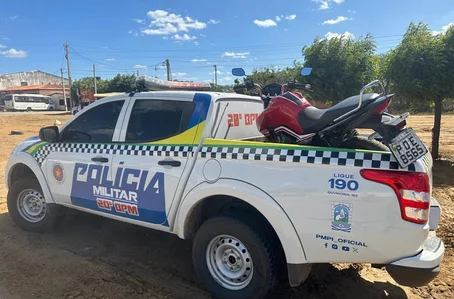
(288, 117)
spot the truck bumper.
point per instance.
(419, 270)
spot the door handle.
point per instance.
(100, 159)
(172, 163)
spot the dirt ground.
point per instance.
(93, 257)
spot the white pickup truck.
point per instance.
(193, 164)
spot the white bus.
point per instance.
(27, 102)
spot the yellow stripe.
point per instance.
(34, 147)
(191, 136)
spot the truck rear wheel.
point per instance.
(233, 260)
(28, 208)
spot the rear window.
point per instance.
(153, 120)
(236, 118)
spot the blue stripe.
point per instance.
(202, 104)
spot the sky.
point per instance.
(138, 35)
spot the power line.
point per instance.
(245, 47)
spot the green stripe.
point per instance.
(36, 147)
(262, 146)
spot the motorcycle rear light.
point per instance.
(401, 124)
(382, 107)
(411, 188)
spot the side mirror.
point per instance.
(306, 71)
(239, 72)
(49, 134)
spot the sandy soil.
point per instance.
(92, 257)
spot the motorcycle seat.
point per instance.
(313, 119)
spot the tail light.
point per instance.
(382, 107)
(401, 124)
(412, 190)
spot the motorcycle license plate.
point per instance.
(407, 147)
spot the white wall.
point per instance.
(32, 78)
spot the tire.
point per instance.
(258, 260)
(365, 144)
(29, 109)
(29, 188)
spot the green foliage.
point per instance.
(448, 48)
(417, 67)
(421, 69)
(340, 67)
(271, 74)
(222, 88)
(120, 83)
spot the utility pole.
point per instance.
(69, 74)
(94, 78)
(137, 73)
(215, 75)
(169, 77)
(64, 89)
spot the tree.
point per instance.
(120, 83)
(341, 66)
(271, 74)
(421, 68)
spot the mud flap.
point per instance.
(434, 214)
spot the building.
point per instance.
(29, 78)
(54, 91)
(36, 82)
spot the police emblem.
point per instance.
(341, 216)
(57, 171)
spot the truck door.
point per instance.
(77, 166)
(156, 142)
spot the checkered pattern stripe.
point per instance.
(120, 149)
(356, 159)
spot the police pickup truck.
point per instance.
(193, 164)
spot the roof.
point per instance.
(108, 94)
(182, 95)
(37, 87)
(30, 95)
(32, 71)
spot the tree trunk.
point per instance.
(437, 127)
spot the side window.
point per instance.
(96, 125)
(153, 120)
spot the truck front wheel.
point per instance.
(233, 260)
(28, 208)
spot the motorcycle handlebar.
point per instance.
(293, 85)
